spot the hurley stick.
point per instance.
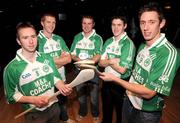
(82, 77)
(84, 62)
(91, 67)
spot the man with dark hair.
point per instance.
(155, 68)
(55, 46)
(31, 77)
(117, 58)
(87, 45)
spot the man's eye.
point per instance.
(34, 36)
(25, 37)
(142, 23)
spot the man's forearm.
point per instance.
(118, 68)
(96, 58)
(62, 61)
(140, 90)
(75, 58)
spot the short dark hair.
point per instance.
(152, 6)
(87, 16)
(22, 25)
(121, 17)
(51, 14)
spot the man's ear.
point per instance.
(18, 41)
(125, 26)
(42, 24)
(163, 22)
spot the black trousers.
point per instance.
(62, 101)
(112, 97)
(63, 108)
(49, 115)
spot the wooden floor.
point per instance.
(171, 113)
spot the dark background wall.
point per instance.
(69, 19)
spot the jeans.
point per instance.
(132, 115)
(89, 88)
(112, 98)
(49, 115)
(63, 108)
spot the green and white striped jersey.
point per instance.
(155, 68)
(86, 48)
(54, 47)
(22, 77)
(123, 49)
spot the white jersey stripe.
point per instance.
(171, 59)
(131, 51)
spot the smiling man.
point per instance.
(87, 45)
(117, 58)
(55, 46)
(155, 67)
(31, 77)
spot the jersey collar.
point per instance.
(122, 38)
(160, 41)
(92, 33)
(41, 34)
(20, 57)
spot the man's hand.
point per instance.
(40, 101)
(107, 76)
(114, 61)
(65, 89)
(62, 60)
(64, 54)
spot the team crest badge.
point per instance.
(46, 68)
(163, 78)
(147, 62)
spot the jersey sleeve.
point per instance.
(10, 85)
(104, 50)
(127, 55)
(98, 45)
(163, 72)
(40, 44)
(73, 45)
(178, 58)
(64, 46)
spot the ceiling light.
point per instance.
(167, 7)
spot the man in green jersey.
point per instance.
(117, 58)
(155, 67)
(55, 46)
(87, 45)
(31, 77)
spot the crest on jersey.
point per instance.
(46, 68)
(147, 62)
(163, 78)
